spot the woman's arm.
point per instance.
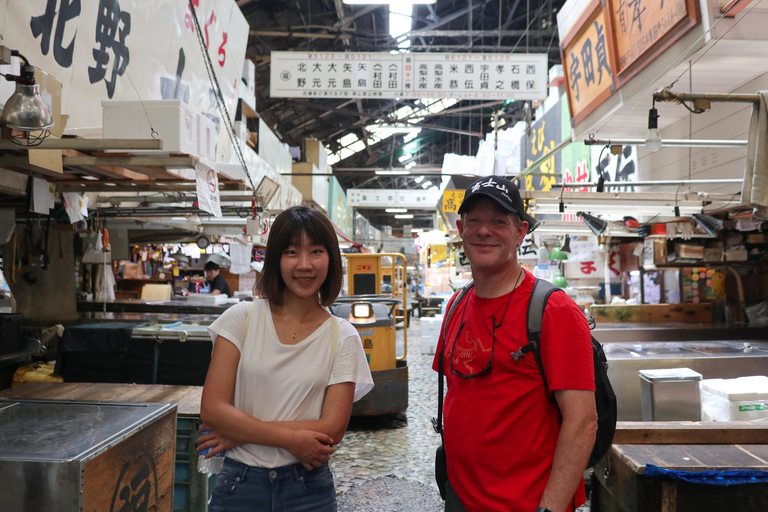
(337, 408)
(311, 448)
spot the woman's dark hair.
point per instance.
(287, 229)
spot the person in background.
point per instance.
(508, 448)
(283, 376)
(216, 282)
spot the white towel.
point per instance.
(241, 258)
(755, 187)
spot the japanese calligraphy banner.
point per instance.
(409, 75)
(131, 49)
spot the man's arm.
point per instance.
(574, 446)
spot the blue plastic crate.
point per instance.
(191, 489)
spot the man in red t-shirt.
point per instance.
(507, 448)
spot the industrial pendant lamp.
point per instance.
(25, 110)
(567, 244)
(557, 254)
(595, 224)
(711, 225)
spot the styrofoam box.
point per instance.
(206, 137)
(430, 333)
(430, 326)
(428, 344)
(174, 121)
(739, 399)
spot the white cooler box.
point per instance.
(740, 399)
(174, 121)
(430, 333)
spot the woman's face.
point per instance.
(304, 267)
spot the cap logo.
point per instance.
(489, 183)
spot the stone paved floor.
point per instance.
(400, 445)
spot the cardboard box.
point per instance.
(689, 251)
(174, 121)
(736, 255)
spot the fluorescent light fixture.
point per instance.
(680, 143)
(404, 158)
(396, 210)
(390, 2)
(418, 179)
(426, 184)
(392, 173)
(411, 164)
(392, 128)
(404, 216)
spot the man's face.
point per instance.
(211, 274)
(491, 235)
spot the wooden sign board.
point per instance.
(588, 62)
(642, 29)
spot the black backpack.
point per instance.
(605, 398)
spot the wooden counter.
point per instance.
(619, 484)
(187, 398)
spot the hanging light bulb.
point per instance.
(652, 138)
(567, 244)
(25, 110)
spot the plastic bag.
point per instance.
(758, 314)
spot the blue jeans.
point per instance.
(243, 488)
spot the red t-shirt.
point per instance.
(501, 429)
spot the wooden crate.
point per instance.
(86, 456)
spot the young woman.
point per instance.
(283, 376)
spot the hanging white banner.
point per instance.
(129, 50)
(207, 188)
(431, 75)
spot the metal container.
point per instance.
(670, 394)
(712, 359)
(62, 456)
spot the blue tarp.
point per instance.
(734, 477)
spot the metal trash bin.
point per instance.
(670, 394)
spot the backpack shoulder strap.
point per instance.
(437, 423)
(534, 322)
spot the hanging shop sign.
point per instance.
(388, 198)
(431, 75)
(546, 133)
(642, 29)
(588, 62)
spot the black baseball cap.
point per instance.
(503, 192)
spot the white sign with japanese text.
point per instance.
(207, 188)
(594, 269)
(385, 198)
(408, 75)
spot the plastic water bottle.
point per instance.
(211, 465)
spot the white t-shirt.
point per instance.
(277, 382)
